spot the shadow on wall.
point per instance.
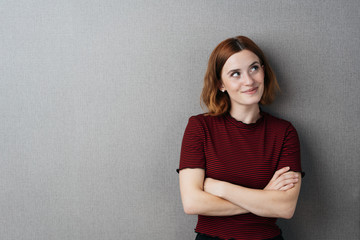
(313, 205)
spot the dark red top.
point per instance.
(242, 154)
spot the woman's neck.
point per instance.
(246, 114)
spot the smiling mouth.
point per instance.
(252, 90)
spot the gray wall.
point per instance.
(95, 96)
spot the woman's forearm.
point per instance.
(203, 203)
(266, 203)
(196, 201)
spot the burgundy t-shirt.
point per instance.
(242, 154)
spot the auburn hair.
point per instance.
(218, 102)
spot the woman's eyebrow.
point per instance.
(256, 62)
(234, 70)
(238, 69)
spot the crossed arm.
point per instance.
(218, 198)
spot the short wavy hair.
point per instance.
(218, 102)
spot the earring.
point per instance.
(223, 90)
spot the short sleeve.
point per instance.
(192, 148)
(290, 151)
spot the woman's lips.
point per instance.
(251, 91)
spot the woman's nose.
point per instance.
(248, 79)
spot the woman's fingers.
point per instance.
(286, 179)
(286, 182)
(287, 187)
(273, 182)
(283, 179)
(280, 172)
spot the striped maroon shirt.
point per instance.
(242, 154)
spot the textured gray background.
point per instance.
(95, 96)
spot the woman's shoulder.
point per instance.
(277, 122)
(205, 120)
(205, 117)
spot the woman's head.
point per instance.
(219, 102)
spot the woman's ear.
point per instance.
(222, 88)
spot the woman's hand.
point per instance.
(283, 180)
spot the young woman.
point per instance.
(239, 166)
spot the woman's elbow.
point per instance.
(189, 210)
(288, 215)
(189, 207)
(288, 206)
(288, 211)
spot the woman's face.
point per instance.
(243, 78)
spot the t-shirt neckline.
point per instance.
(245, 125)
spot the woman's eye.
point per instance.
(254, 68)
(235, 74)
